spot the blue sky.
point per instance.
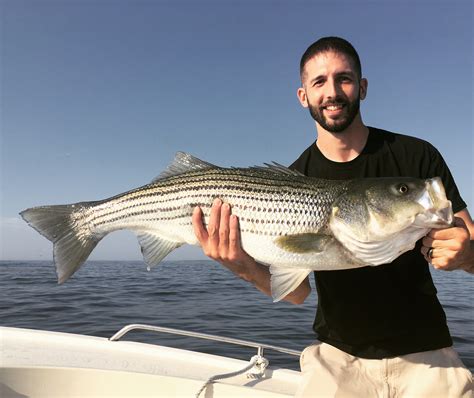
(97, 96)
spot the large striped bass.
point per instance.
(290, 222)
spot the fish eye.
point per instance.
(402, 188)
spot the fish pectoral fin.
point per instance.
(285, 280)
(303, 243)
(155, 248)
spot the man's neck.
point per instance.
(344, 146)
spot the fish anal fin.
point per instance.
(285, 280)
(304, 243)
(155, 248)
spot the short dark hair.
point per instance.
(328, 44)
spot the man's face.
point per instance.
(332, 91)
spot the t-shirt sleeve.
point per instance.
(437, 167)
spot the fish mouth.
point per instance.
(441, 218)
(438, 212)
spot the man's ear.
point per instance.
(364, 84)
(301, 94)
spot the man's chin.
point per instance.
(341, 131)
(334, 125)
(336, 128)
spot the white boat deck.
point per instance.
(37, 363)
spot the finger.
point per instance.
(441, 258)
(439, 233)
(459, 227)
(432, 253)
(440, 237)
(213, 226)
(234, 236)
(198, 226)
(441, 264)
(224, 230)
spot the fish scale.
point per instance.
(290, 222)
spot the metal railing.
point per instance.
(260, 347)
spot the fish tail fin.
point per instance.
(64, 225)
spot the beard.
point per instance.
(342, 122)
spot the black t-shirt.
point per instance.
(392, 309)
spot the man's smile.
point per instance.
(333, 110)
(334, 107)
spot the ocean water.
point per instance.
(200, 296)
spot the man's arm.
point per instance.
(221, 242)
(453, 247)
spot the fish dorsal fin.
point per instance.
(285, 280)
(183, 163)
(277, 168)
(155, 248)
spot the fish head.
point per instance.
(375, 209)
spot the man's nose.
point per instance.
(332, 89)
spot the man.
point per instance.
(382, 329)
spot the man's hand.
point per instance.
(449, 249)
(221, 240)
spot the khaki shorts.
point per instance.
(330, 372)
